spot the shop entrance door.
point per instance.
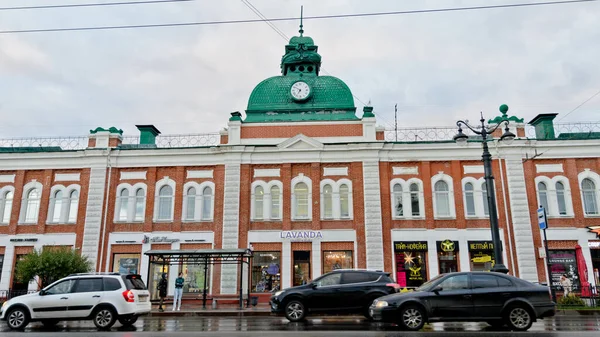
(301, 267)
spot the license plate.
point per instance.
(143, 298)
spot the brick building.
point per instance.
(309, 186)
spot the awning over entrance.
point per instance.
(205, 257)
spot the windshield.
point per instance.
(428, 284)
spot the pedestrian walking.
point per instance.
(162, 290)
(178, 292)
(566, 284)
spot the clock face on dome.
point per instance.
(300, 91)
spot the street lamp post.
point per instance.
(485, 131)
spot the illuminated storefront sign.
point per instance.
(411, 262)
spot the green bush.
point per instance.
(571, 300)
(51, 264)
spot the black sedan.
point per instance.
(494, 298)
(340, 291)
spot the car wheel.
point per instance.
(104, 318)
(17, 318)
(295, 311)
(496, 323)
(519, 318)
(49, 323)
(412, 318)
(128, 320)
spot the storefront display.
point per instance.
(564, 262)
(447, 252)
(595, 252)
(266, 272)
(156, 272)
(126, 263)
(481, 255)
(193, 275)
(411, 265)
(337, 259)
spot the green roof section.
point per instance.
(504, 116)
(112, 129)
(30, 149)
(328, 98)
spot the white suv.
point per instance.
(103, 297)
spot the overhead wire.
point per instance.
(95, 4)
(318, 17)
(286, 38)
(580, 105)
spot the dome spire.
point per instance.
(301, 31)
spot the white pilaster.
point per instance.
(316, 259)
(521, 218)
(286, 264)
(373, 227)
(231, 202)
(173, 272)
(7, 266)
(145, 262)
(93, 218)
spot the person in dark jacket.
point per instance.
(162, 290)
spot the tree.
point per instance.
(51, 264)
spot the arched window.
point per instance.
(6, 201)
(140, 204)
(165, 202)
(470, 199)
(32, 205)
(259, 195)
(442, 198)
(588, 189)
(123, 204)
(560, 198)
(398, 206)
(275, 202)
(73, 206)
(414, 199)
(344, 201)
(190, 211)
(327, 202)
(484, 195)
(207, 201)
(543, 195)
(301, 199)
(57, 205)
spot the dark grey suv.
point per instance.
(340, 291)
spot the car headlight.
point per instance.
(4, 304)
(381, 304)
(278, 293)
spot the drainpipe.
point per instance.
(508, 227)
(108, 164)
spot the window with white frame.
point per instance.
(131, 203)
(64, 204)
(407, 198)
(6, 201)
(165, 200)
(336, 199)
(266, 200)
(30, 206)
(301, 198)
(590, 202)
(484, 199)
(443, 198)
(470, 199)
(475, 197)
(554, 195)
(198, 201)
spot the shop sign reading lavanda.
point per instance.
(301, 235)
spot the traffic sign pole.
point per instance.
(543, 223)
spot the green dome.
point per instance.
(329, 99)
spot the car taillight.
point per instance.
(396, 286)
(129, 296)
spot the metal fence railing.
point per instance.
(578, 297)
(6, 295)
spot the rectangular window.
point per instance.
(126, 263)
(302, 207)
(563, 262)
(164, 207)
(442, 203)
(123, 208)
(190, 207)
(411, 263)
(87, 285)
(337, 259)
(275, 206)
(193, 275)
(155, 274)
(481, 255)
(266, 272)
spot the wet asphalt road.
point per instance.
(327, 326)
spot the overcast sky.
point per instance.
(437, 67)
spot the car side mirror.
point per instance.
(42, 292)
(437, 289)
(313, 285)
